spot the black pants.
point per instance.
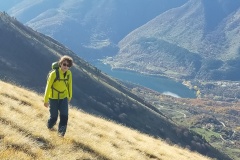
(58, 107)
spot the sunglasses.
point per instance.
(64, 64)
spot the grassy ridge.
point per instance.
(24, 134)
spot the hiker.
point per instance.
(58, 93)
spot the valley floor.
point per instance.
(217, 121)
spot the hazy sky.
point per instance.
(6, 4)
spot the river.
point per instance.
(163, 85)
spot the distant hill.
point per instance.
(185, 39)
(24, 134)
(26, 58)
(198, 40)
(93, 28)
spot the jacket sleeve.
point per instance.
(70, 87)
(48, 86)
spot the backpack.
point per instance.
(55, 67)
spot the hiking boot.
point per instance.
(51, 122)
(50, 129)
(61, 134)
(61, 131)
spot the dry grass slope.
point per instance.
(24, 134)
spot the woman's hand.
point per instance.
(46, 105)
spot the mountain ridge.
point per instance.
(206, 28)
(190, 28)
(91, 29)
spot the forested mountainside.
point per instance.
(26, 58)
(199, 40)
(90, 28)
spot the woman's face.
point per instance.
(64, 66)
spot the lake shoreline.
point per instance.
(159, 83)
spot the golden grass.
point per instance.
(24, 135)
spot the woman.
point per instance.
(58, 94)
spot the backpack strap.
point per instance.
(65, 81)
(67, 84)
(57, 91)
(57, 75)
(56, 78)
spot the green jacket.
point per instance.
(65, 87)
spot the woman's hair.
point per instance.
(66, 58)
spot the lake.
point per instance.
(163, 85)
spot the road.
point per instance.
(162, 107)
(223, 124)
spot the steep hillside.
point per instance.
(197, 40)
(90, 28)
(26, 57)
(24, 134)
